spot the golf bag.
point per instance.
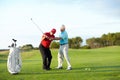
(14, 61)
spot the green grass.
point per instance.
(104, 64)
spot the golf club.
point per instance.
(39, 28)
(36, 25)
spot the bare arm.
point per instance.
(45, 36)
(57, 38)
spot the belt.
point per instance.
(63, 44)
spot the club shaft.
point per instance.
(36, 25)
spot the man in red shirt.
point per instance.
(44, 48)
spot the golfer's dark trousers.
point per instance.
(46, 56)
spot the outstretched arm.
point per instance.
(45, 36)
(50, 38)
(57, 38)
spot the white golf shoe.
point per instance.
(69, 68)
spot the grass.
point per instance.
(88, 64)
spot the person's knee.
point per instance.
(44, 57)
(50, 57)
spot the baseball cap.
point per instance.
(53, 31)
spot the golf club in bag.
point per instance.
(14, 61)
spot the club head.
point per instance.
(14, 40)
(9, 46)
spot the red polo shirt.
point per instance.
(46, 42)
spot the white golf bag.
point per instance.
(14, 61)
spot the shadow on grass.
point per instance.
(98, 69)
(76, 70)
(3, 58)
(3, 61)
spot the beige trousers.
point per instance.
(63, 53)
